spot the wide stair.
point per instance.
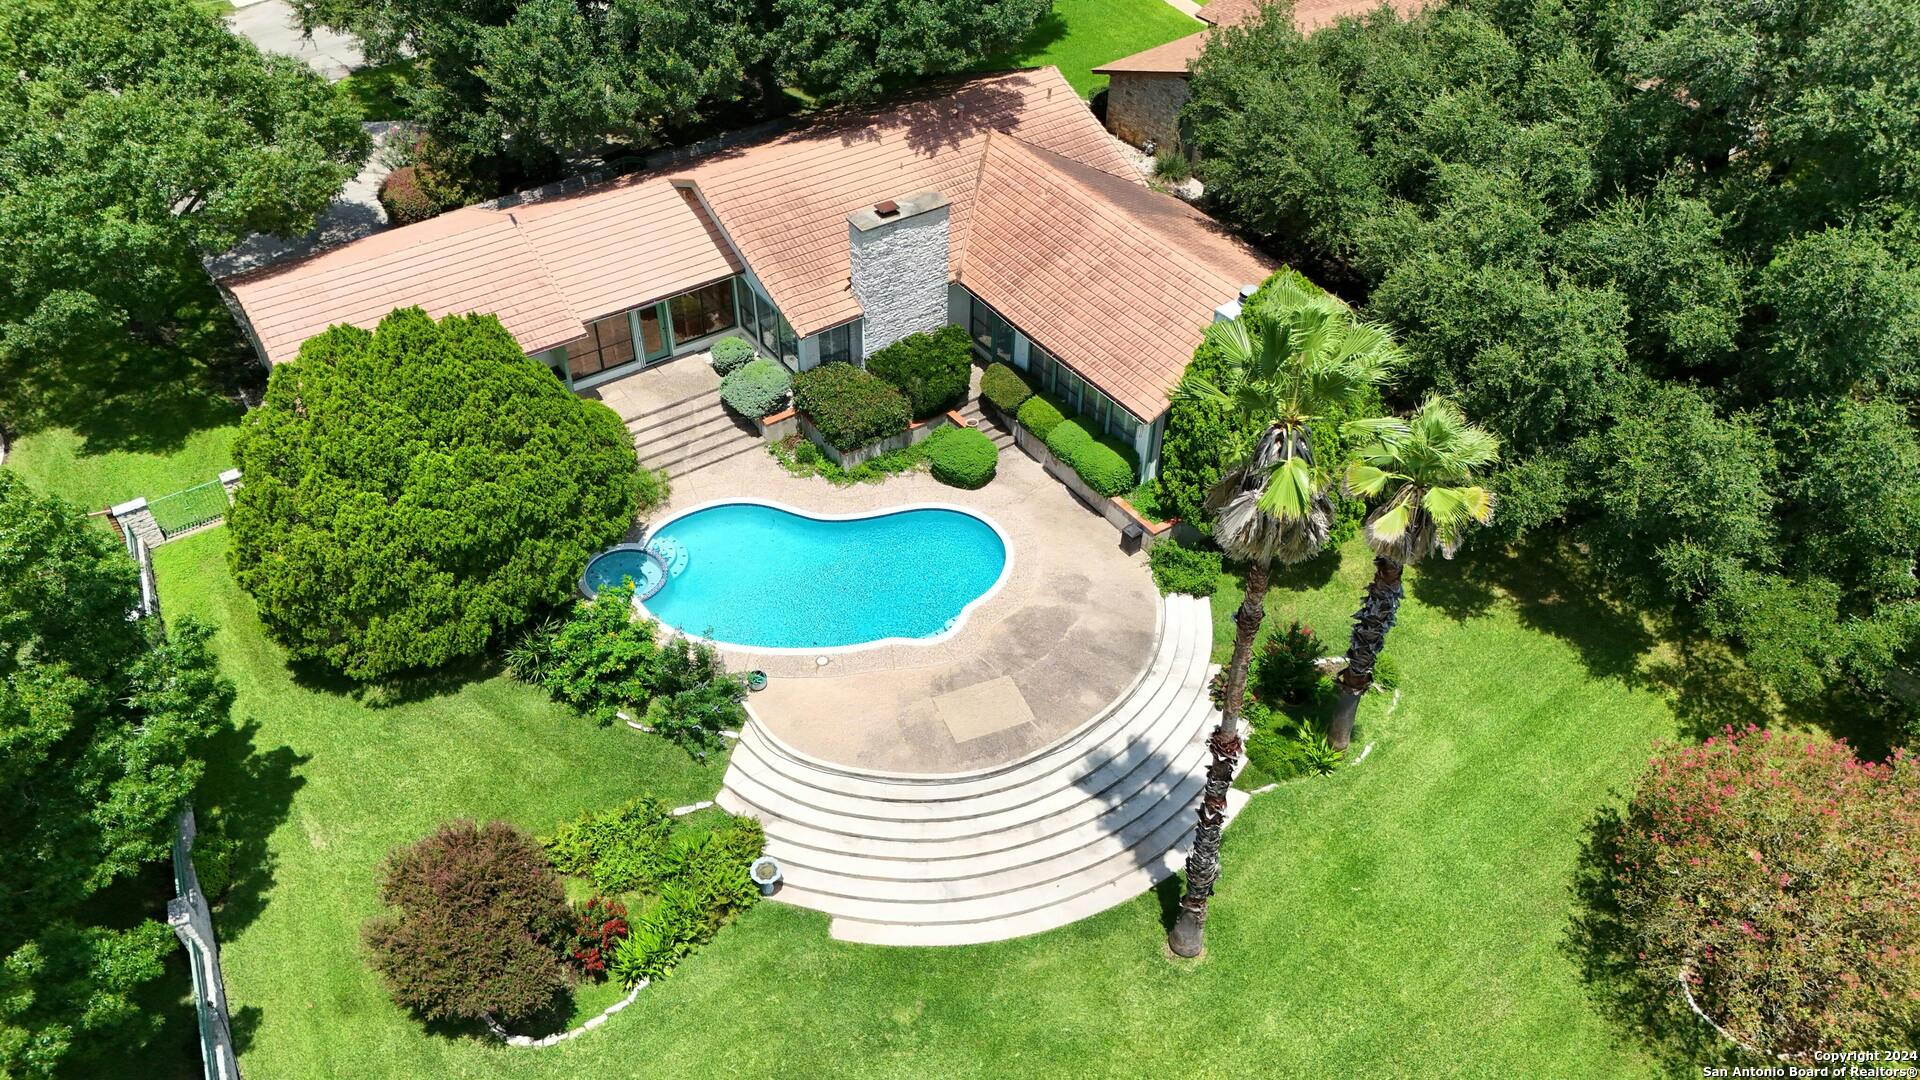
(976, 416)
(690, 434)
(1089, 822)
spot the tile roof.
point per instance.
(784, 203)
(473, 259)
(1050, 223)
(1146, 270)
(1175, 57)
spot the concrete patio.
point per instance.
(1070, 630)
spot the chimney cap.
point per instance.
(886, 208)
(895, 210)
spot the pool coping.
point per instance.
(959, 621)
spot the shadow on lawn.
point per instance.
(1641, 1007)
(249, 793)
(145, 394)
(406, 689)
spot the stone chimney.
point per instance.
(898, 252)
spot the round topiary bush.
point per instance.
(1040, 414)
(400, 196)
(414, 491)
(757, 388)
(1004, 389)
(730, 354)
(1066, 439)
(962, 457)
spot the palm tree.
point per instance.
(1310, 357)
(1428, 462)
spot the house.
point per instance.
(998, 204)
(1146, 91)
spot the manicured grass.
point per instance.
(320, 782)
(139, 418)
(1403, 917)
(378, 91)
(1080, 35)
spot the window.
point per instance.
(609, 343)
(1122, 425)
(992, 337)
(841, 345)
(769, 318)
(702, 311)
(789, 351)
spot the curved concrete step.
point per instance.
(1069, 830)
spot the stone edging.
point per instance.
(549, 1040)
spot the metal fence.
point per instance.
(202, 504)
(191, 919)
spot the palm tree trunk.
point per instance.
(1370, 626)
(1189, 933)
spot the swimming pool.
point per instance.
(761, 576)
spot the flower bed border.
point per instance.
(559, 1037)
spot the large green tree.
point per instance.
(1297, 355)
(1665, 249)
(412, 491)
(137, 136)
(102, 724)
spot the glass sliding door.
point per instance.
(653, 337)
(608, 344)
(703, 311)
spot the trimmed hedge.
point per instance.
(962, 457)
(1040, 415)
(851, 407)
(1004, 389)
(756, 388)
(730, 354)
(1180, 569)
(930, 369)
(1106, 465)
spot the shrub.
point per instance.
(1181, 569)
(757, 388)
(619, 850)
(1040, 415)
(1005, 389)
(1284, 671)
(850, 407)
(729, 354)
(602, 661)
(598, 925)
(479, 925)
(932, 370)
(400, 196)
(1779, 876)
(1107, 466)
(1172, 165)
(414, 491)
(962, 457)
(708, 885)
(800, 457)
(1293, 752)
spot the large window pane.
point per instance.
(609, 343)
(769, 330)
(702, 311)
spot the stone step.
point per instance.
(1099, 764)
(1184, 637)
(674, 430)
(1039, 920)
(694, 458)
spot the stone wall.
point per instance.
(898, 268)
(1145, 107)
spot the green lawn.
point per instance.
(1404, 917)
(1080, 35)
(139, 419)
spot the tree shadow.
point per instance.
(249, 793)
(1168, 891)
(1642, 1008)
(145, 393)
(408, 688)
(1311, 575)
(1458, 588)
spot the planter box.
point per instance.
(1117, 511)
(847, 459)
(779, 425)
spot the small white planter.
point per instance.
(765, 872)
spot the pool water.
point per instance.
(609, 568)
(761, 577)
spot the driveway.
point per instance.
(271, 26)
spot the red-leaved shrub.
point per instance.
(401, 197)
(597, 924)
(480, 923)
(1779, 876)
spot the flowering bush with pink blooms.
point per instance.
(1779, 876)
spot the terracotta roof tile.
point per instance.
(1117, 280)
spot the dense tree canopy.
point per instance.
(135, 137)
(532, 82)
(1666, 248)
(412, 491)
(102, 721)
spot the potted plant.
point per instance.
(756, 679)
